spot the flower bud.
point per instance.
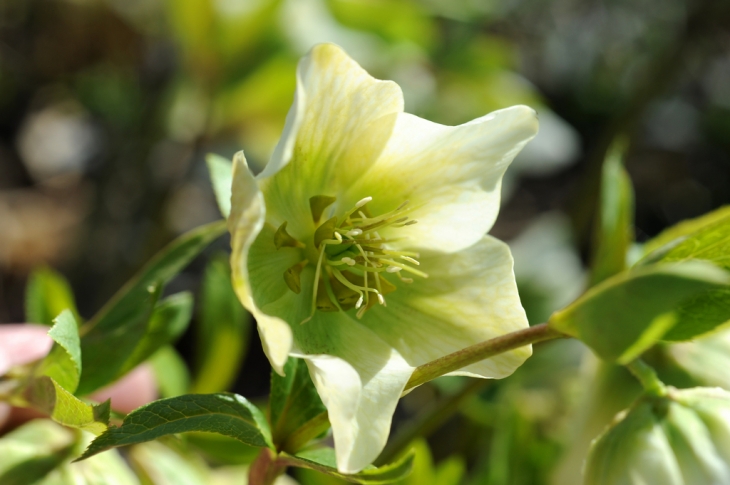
(682, 438)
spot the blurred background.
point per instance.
(108, 107)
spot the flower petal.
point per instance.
(469, 297)
(339, 123)
(245, 222)
(451, 175)
(358, 376)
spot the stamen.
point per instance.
(283, 239)
(381, 299)
(410, 260)
(359, 302)
(348, 261)
(393, 269)
(338, 236)
(362, 202)
(353, 232)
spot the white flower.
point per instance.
(404, 274)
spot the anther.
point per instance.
(348, 261)
(393, 269)
(359, 302)
(338, 236)
(353, 232)
(362, 202)
(381, 299)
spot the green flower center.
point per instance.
(350, 258)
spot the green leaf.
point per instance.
(223, 331)
(63, 363)
(614, 229)
(628, 313)
(323, 460)
(163, 464)
(168, 321)
(221, 176)
(46, 295)
(685, 228)
(224, 413)
(171, 372)
(30, 452)
(105, 353)
(125, 316)
(710, 241)
(48, 396)
(293, 402)
(222, 449)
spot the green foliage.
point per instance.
(63, 363)
(114, 333)
(705, 238)
(323, 460)
(223, 330)
(171, 372)
(221, 176)
(46, 395)
(293, 402)
(47, 295)
(628, 313)
(614, 228)
(161, 464)
(224, 413)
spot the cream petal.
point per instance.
(245, 223)
(358, 376)
(469, 297)
(451, 175)
(339, 123)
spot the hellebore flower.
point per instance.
(361, 246)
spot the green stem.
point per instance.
(647, 377)
(429, 420)
(483, 350)
(310, 430)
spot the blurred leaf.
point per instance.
(685, 228)
(705, 359)
(47, 295)
(224, 413)
(162, 465)
(628, 313)
(32, 451)
(223, 331)
(394, 20)
(171, 372)
(222, 449)
(126, 315)
(105, 353)
(221, 176)
(450, 472)
(323, 460)
(614, 228)
(710, 241)
(168, 321)
(63, 363)
(293, 402)
(46, 395)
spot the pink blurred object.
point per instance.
(136, 388)
(24, 343)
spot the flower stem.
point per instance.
(483, 350)
(647, 377)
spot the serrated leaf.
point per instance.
(293, 401)
(46, 395)
(63, 362)
(323, 460)
(710, 242)
(127, 310)
(224, 413)
(221, 176)
(46, 295)
(614, 229)
(223, 331)
(171, 372)
(628, 313)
